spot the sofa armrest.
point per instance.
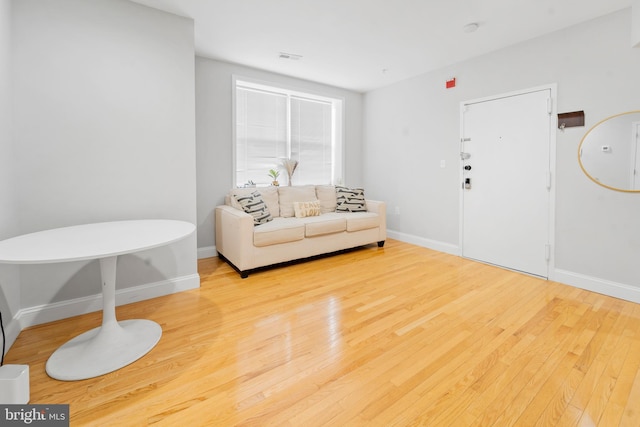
(234, 236)
(375, 205)
(380, 208)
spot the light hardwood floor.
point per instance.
(391, 336)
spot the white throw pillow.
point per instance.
(305, 209)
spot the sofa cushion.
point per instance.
(297, 193)
(327, 196)
(350, 199)
(362, 221)
(324, 224)
(305, 209)
(280, 230)
(254, 205)
(269, 195)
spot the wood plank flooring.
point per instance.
(393, 336)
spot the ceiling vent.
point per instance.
(291, 56)
(471, 27)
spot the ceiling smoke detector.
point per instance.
(291, 56)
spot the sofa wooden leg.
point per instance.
(244, 274)
(381, 243)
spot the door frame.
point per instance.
(553, 88)
(635, 160)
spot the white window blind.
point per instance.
(311, 128)
(273, 124)
(261, 133)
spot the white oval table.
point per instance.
(114, 344)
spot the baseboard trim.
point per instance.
(601, 286)
(425, 243)
(37, 315)
(582, 281)
(207, 252)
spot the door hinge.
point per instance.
(547, 252)
(549, 105)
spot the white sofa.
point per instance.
(287, 237)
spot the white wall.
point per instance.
(104, 130)
(411, 126)
(9, 275)
(214, 126)
(635, 31)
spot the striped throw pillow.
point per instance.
(350, 199)
(254, 205)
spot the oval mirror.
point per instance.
(609, 153)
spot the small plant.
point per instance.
(274, 174)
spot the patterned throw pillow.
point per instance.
(350, 199)
(254, 206)
(304, 209)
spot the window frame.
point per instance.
(338, 118)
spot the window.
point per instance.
(273, 124)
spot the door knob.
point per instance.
(467, 167)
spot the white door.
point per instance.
(506, 181)
(635, 157)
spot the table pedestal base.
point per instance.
(103, 349)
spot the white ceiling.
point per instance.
(365, 44)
